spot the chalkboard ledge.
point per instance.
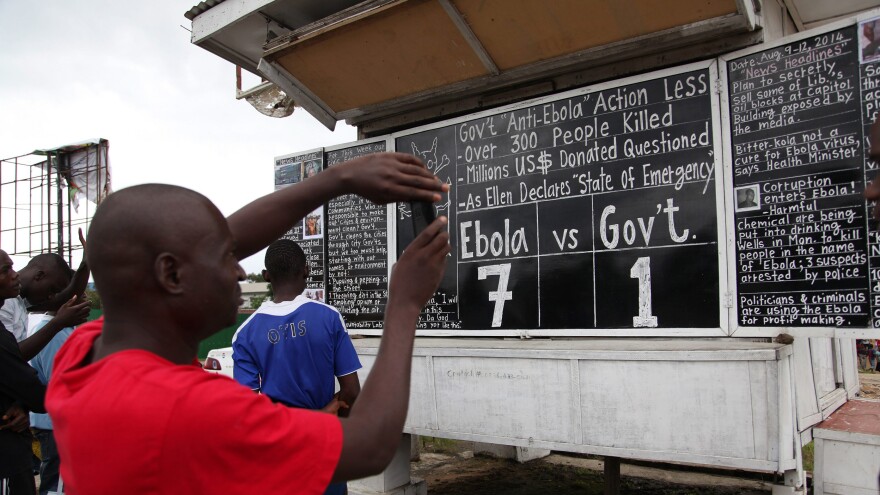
(594, 349)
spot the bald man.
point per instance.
(133, 411)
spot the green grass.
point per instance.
(808, 453)
(440, 445)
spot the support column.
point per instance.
(794, 482)
(612, 475)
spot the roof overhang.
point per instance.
(341, 59)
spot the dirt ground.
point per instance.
(451, 468)
(870, 385)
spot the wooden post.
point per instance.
(612, 475)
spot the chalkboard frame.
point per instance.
(720, 187)
(732, 292)
(313, 151)
(390, 233)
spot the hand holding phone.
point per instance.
(423, 214)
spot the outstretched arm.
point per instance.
(80, 280)
(349, 389)
(74, 312)
(372, 430)
(380, 177)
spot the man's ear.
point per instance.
(306, 272)
(266, 276)
(40, 275)
(167, 272)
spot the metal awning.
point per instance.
(360, 60)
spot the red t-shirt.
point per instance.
(134, 422)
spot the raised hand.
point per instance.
(420, 268)
(74, 312)
(334, 406)
(388, 177)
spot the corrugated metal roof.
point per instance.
(201, 7)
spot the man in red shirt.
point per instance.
(133, 412)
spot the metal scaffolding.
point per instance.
(47, 195)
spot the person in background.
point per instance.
(132, 409)
(867, 352)
(876, 354)
(870, 41)
(311, 169)
(41, 424)
(20, 390)
(313, 225)
(748, 198)
(45, 281)
(293, 349)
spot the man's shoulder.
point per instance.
(300, 304)
(12, 305)
(322, 307)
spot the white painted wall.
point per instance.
(723, 403)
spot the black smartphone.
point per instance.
(422, 215)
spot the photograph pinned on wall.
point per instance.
(869, 40)
(314, 294)
(748, 198)
(287, 173)
(311, 168)
(313, 224)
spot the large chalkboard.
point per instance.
(594, 209)
(798, 114)
(309, 233)
(357, 250)
(600, 211)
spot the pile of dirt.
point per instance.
(488, 476)
(450, 469)
(870, 385)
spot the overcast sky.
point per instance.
(127, 72)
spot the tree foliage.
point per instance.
(94, 298)
(256, 301)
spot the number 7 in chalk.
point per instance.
(500, 295)
(642, 271)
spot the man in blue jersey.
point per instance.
(293, 347)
